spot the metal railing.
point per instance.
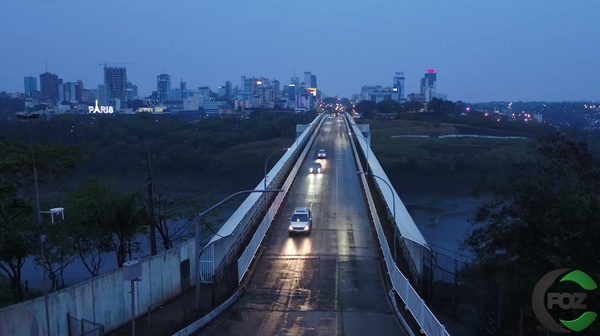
(427, 321)
(248, 255)
(83, 327)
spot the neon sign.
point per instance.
(150, 109)
(100, 109)
(431, 70)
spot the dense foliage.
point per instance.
(545, 217)
(118, 144)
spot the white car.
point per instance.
(322, 154)
(301, 220)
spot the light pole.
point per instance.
(393, 207)
(267, 161)
(39, 212)
(197, 233)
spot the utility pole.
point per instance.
(151, 209)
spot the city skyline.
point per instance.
(498, 51)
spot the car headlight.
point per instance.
(291, 228)
(306, 228)
(319, 170)
(311, 170)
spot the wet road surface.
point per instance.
(328, 282)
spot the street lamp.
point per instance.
(39, 212)
(197, 233)
(267, 160)
(393, 207)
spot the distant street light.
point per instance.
(393, 207)
(267, 160)
(197, 237)
(54, 211)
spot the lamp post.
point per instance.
(267, 161)
(29, 117)
(393, 207)
(197, 237)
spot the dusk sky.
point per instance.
(483, 50)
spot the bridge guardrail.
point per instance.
(219, 250)
(427, 321)
(250, 252)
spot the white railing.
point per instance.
(250, 252)
(415, 242)
(235, 228)
(427, 321)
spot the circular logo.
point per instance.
(544, 301)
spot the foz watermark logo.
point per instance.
(100, 109)
(548, 304)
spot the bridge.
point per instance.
(362, 269)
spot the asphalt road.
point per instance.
(328, 282)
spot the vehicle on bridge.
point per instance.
(322, 154)
(315, 168)
(301, 220)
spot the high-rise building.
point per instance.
(398, 93)
(313, 81)
(30, 86)
(78, 90)
(49, 83)
(67, 92)
(132, 91)
(295, 80)
(103, 95)
(276, 88)
(228, 89)
(116, 80)
(163, 87)
(428, 84)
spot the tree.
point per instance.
(16, 226)
(59, 252)
(174, 215)
(545, 218)
(127, 218)
(169, 211)
(108, 219)
(388, 106)
(366, 108)
(89, 205)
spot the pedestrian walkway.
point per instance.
(170, 316)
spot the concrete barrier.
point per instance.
(105, 299)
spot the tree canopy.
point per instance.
(544, 218)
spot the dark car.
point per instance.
(315, 168)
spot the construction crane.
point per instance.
(106, 64)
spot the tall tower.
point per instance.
(30, 86)
(163, 87)
(115, 78)
(398, 93)
(49, 84)
(428, 84)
